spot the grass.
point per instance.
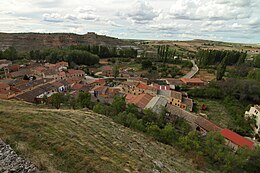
(216, 111)
(78, 141)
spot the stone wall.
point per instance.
(10, 162)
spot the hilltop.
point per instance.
(30, 41)
(83, 141)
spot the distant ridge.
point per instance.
(31, 41)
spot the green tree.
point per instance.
(84, 100)
(168, 134)
(154, 131)
(146, 64)
(190, 142)
(118, 105)
(115, 71)
(257, 61)
(215, 148)
(221, 69)
(56, 100)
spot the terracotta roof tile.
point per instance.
(192, 80)
(141, 100)
(237, 139)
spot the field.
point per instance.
(83, 141)
(216, 111)
(194, 45)
(205, 75)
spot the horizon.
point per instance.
(137, 39)
(216, 20)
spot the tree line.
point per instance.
(107, 51)
(213, 57)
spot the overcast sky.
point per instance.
(226, 20)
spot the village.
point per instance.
(37, 82)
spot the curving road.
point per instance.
(193, 70)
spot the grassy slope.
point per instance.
(77, 141)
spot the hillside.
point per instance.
(29, 41)
(194, 45)
(78, 141)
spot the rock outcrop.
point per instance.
(10, 162)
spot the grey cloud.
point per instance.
(142, 12)
(52, 17)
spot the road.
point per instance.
(193, 70)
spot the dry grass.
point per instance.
(205, 75)
(77, 141)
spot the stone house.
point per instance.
(254, 112)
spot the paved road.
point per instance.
(193, 70)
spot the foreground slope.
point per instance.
(78, 141)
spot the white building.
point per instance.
(254, 112)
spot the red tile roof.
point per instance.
(161, 87)
(142, 86)
(237, 139)
(206, 124)
(14, 67)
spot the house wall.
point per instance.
(253, 112)
(174, 101)
(231, 144)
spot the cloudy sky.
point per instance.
(226, 20)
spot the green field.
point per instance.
(215, 111)
(78, 141)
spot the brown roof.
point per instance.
(77, 86)
(4, 92)
(99, 88)
(4, 86)
(57, 84)
(192, 80)
(99, 81)
(172, 81)
(141, 100)
(72, 71)
(106, 68)
(21, 72)
(176, 95)
(206, 124)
